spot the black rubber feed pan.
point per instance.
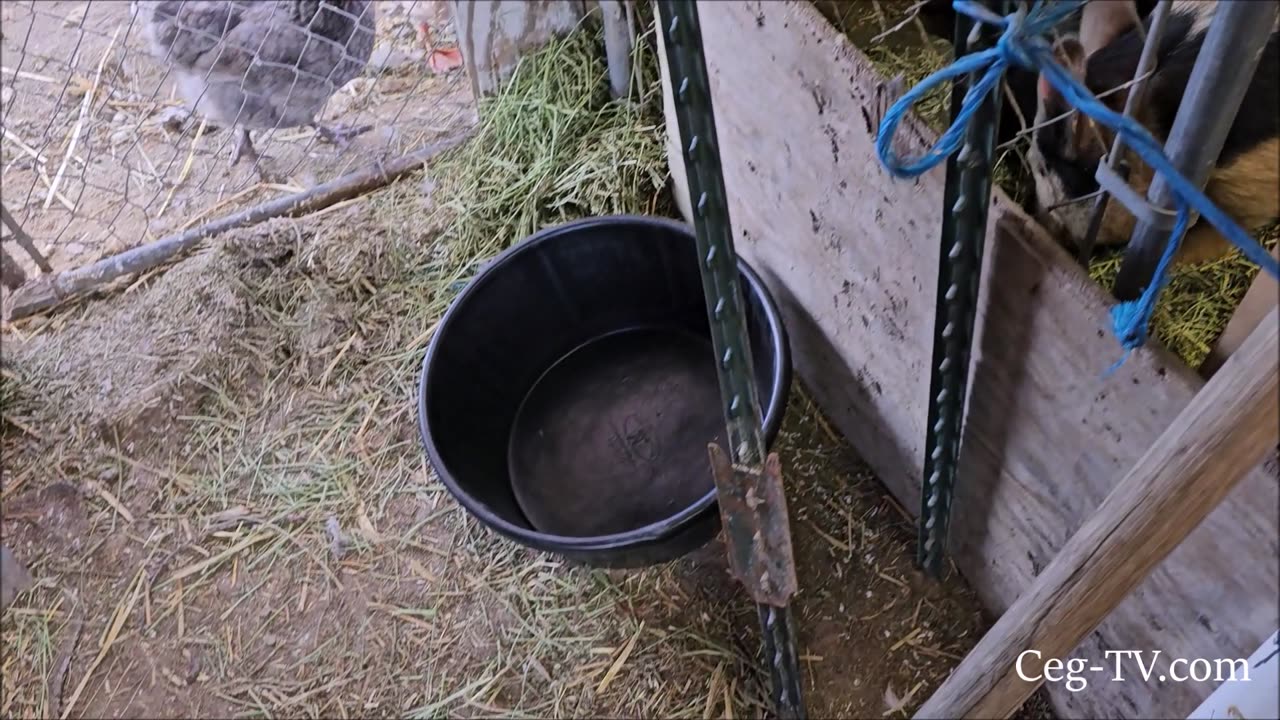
(569, 393)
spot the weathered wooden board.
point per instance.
(851, 255)
(1215, 442)
(1257, 301)
(494, 34)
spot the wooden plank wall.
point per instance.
(851, 256)
(494, 34)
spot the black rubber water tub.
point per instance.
(569, 393)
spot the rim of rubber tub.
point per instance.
(779, 381)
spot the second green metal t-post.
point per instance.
(964, 225)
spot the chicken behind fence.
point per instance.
(262, 65)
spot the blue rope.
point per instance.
(1023, 44)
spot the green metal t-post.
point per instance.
(748, 484)
(964, 225)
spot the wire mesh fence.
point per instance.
(124, 122)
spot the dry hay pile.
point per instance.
(216, 477)
(230, 452)
(1198, 301)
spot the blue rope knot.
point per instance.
(1023, 44)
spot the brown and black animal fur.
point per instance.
(1245, 182)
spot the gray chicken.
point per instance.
(260, 65)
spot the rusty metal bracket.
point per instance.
(753, 508)
(753, 505)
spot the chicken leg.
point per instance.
(244, 149)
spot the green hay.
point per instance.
(553, 147)
(909, 51)
(1199, 300)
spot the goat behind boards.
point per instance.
(1245, 183)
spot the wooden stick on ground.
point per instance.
(11, 274)
(1222, 434)
(24, 240)
(49, 292)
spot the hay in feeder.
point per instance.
(896, 42)
(1199, 300)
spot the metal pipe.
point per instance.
(618, 42)
(1221, 76)
(1146, 63)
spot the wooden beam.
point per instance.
(1261, 297)
(1209, 448)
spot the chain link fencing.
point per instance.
(102, 151)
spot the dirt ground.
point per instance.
(216, 480)
(222, 493)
